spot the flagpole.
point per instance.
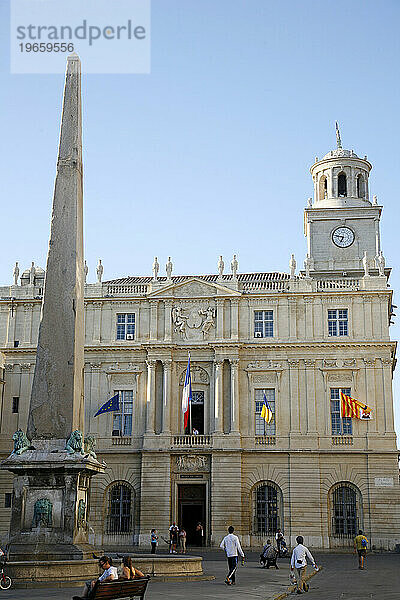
(190, 404)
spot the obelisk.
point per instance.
(56, 407)
(52, 467)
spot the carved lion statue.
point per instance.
(21, 442)
(74, 444)
(90, 445)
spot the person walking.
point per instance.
(298, 564)
(232, 547)
(153, 540)
(360, 547)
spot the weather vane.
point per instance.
(338, 140)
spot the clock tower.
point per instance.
(341, 223)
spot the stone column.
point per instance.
(25, 392)
(377, 237)
(387, 365)
(28, 308)
(218, 392)
(12, 316)
(367, 306)
(311, 403)
(234, 426)
(153, 319)
(294, 395)
(166, 416)
(292, 318)
(308, 308)
(97, 306)
(370, 398)
(150, 395)
(168, 320)
(234, 319)
(220, 318)
(93, 403)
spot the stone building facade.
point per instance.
(299, 338)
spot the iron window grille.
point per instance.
(266, 510)
(345, 521)
(119, 518)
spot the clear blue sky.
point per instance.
(210, 153)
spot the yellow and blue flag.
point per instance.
(266, 412)
(109, 406)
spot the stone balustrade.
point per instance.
(189, 441)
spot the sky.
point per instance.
(209, 153)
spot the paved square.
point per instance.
(339, 579)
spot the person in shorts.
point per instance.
(360, 547)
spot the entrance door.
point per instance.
(191, 511)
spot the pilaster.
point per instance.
(234, 425)
(150, 396)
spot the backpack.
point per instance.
(364, 543)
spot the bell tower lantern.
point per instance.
(341, 223)
(341, 178)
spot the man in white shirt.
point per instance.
(109, 574)
(232, 546)
(298, 563)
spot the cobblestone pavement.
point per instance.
(340, 579)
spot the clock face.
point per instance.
(343, 237)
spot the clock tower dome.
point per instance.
(341, 223)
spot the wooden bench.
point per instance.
(112, 590)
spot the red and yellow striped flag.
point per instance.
(354, 408)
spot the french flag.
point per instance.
(187, 395)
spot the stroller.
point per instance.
(268, 556)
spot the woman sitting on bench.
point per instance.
(128, 570)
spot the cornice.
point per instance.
(224, 345)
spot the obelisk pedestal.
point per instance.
(52, 466)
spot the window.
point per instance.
(338, 322)
(267, 500)
(263, 323)
(344, 511)
(122, 420)
(7, 500)
(340, 425)
(261, 427)
(197, 412)
(126, 326)
(15, 404)
(119, 509)
(342, 184)
(360, 186)
(323, 187)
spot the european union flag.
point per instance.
(111, 405)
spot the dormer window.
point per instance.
(360, 186)
(342, 185)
